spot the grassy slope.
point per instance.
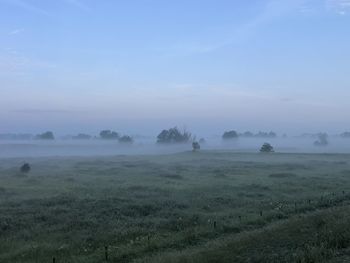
(152, 207)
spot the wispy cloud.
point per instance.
(342, 7)
(16, 31)
(12, 61)
(43, 111)
(27, 6)
(273, 10)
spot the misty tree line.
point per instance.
(172, 136)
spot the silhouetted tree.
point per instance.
(345, 135)
(261, 134)
(82, 136)
(174, 135)
(230, 135)
(202, 141)
(25, 168)
(46, 136)
(109, 135)
(266, 148)
(126, 139)
(322, 140)
(196, 146)
(247, 134)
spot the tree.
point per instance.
(202, 141)
(261, 134)
(25, 168)
(126, 139)
(230, 135)
(322, 139)
(46, 136)
(345, 135)
(196, 146)
(174, 135)
(266, 148)
(247, 134)
(109, 135)
(82, 136)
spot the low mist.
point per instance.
(149, 145)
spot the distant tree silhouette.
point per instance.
(196, 146)
(202, 141)
(345, 135)
(266, 148)
(46, 136)
(322, 140)
(261, 134)
(109, 135)
(82, 136)
(25, 168)
(247, 134)
(174, 135)
(230, 135)
(126, 139)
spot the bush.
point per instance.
(25, 168)
(109, 135)
(46, 136)
(196, 146)
(230, 135)
(174, 135)
(266, 148)
(322, 140)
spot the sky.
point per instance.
(139, 66)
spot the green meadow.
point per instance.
(208, 206)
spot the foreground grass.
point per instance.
(188, 207)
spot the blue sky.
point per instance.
(140, 65)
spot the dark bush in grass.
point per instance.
(196, 146)
(322, 140)
(25, 168)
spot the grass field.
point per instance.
(209, 206)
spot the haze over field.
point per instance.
(142, 66)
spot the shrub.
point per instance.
(322, 140)
(196, 146)
(25, 168)
(266, 148)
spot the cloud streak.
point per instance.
(342, 7)
(27, 6)
(16, 31)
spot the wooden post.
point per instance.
(53, 260)
(261, 213)
(215, 224)
(106, 253)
